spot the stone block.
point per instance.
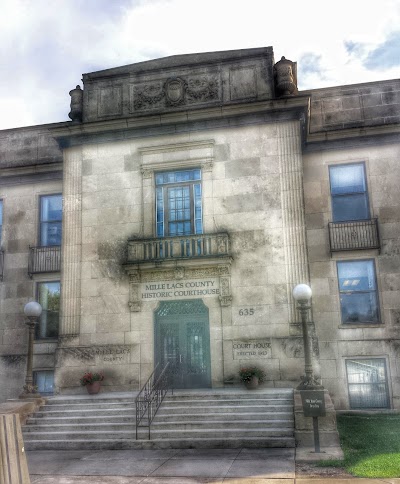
(242, 167)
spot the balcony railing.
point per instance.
(354, 235)
(44, 259)
(181, 247)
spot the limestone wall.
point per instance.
(20, 230)
(338, 341)
(251, 189)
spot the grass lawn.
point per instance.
(371, 445)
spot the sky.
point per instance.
(46, 45)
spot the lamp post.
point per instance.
(32, 311)
(302, 293)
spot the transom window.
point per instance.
(358, 293)
(349, 192)
(367, 381)
(50, 220)
(49, 298)
(178, 202)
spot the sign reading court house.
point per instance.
(189, 289)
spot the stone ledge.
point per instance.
(23, 408)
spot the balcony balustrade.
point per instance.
(354, 235)
(44, 259)
(180, 247)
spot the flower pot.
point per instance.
(93, 388)
(252, 384)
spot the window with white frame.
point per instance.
(49, 299)
(349, 192)
(367, 383)
(50, 220)
(358, 291)
(178, 203)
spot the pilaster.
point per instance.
(293, 219)
(71, 245)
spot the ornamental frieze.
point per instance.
(175, 91)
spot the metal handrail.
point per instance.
(150, 397)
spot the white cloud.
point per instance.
(46, 46)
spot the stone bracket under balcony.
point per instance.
(44, 260)
(354, 235)
(192, 257)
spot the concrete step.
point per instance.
(94, 420)
(164, 409)
(193, 417)
(160, 426)
(158, 434)
(212, 419)
(87, 413)
(153, 444)
(210, 402)
(87, 406)
(230, 396)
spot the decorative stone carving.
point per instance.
(147, 173)
(148, 95)
(76, 104)
(134, 300)
(202, 89)
(285, 73)
(134, 276)
(179, 272)
(175, 91)
(225, 291)
(225, 300)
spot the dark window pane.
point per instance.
(347, 179)
(50, 233)
(350, 207)
(49, 298)
(51, 208)
(367, 383)
(359, 307)
(356, 275)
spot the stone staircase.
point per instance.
(187, 419)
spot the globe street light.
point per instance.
(302, 293)
(32, 311)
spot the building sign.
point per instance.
(183, 289)
(313, 403)
(251, 349)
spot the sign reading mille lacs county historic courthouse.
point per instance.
(180, 289)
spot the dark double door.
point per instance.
(182, 337)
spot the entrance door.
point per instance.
(182, 337)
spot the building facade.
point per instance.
(170, 219)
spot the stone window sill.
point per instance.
(361, 325)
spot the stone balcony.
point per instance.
(158, 250)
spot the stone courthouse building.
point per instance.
(171, 218)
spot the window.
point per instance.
(357, 290)
(49, 298)
(367, 381)
(44, 381)
(50, 220)
(178, 202)
(349, 192)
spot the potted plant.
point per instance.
(92, 382)
(251, 376)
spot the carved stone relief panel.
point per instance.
(175, 91)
